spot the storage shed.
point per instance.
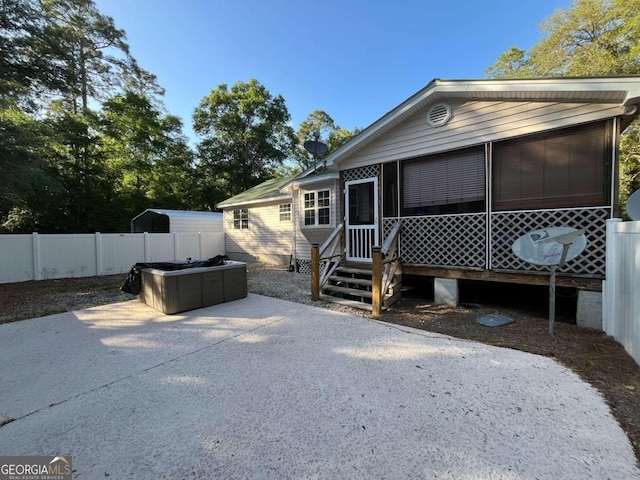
(155, 220)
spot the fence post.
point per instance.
(315, 272)
(200, 245)
(146, 246)
(610, 275)
(98, 254)
(35, 243)
(175, 246)
(376, 279)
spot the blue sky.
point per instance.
(356, 60)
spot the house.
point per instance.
(258, 224)
(446, 181)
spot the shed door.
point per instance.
(361, 199)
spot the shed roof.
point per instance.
(181, 213)
(269, 190)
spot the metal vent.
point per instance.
(439, 115)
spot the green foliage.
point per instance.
(147, 155)
(89, 50)
(629, 162)
(63, 166)
(590, 38)
(24, 170)
(513, 63)
(321, 122)
(245, 138)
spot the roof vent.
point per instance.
(439, 115)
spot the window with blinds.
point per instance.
(559, 169)
(453, 182)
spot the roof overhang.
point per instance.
(310, 180)
(254, 202)
(622, 91)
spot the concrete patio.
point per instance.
(264, 388)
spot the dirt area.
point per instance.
(597, 358)
(46, 297)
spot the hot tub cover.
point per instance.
(132, 281)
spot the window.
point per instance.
(241, 219)
(285, 212)
(452, 182)
(559, 169)
(317, 208)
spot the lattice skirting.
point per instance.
(359, 173)
(461, 240)
(304, 267)
(443, 240)
(507, 226)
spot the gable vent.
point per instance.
(439, 115)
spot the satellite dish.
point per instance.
(633, 205)
(546, 246)
(315, 147)
(551, 247)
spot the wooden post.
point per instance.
(315, 272)
(376, 278)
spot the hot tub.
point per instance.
(173, 291)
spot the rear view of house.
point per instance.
(448, 180)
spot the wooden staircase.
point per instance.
(351, 285)
(371, 286)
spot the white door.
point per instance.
(361, 200)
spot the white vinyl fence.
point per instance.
(40, 257)
(621, 300)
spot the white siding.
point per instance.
(266, 234)
(475, 123)
(306, 236)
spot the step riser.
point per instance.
(356, 283)
(351, 281)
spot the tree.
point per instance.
(24, 170)
(321, 122)
(513, 63)
(629, 162)
(24, 72)
(89, 50)
(84, 141)
(590, 38)
(146, 153)
(245, 138)
(142, 82)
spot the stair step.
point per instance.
(391, 299)
(354, 270)
(348, 303)
(353, 281)
(348, 291)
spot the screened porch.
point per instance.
(464, 209)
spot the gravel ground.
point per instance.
(277, 281)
